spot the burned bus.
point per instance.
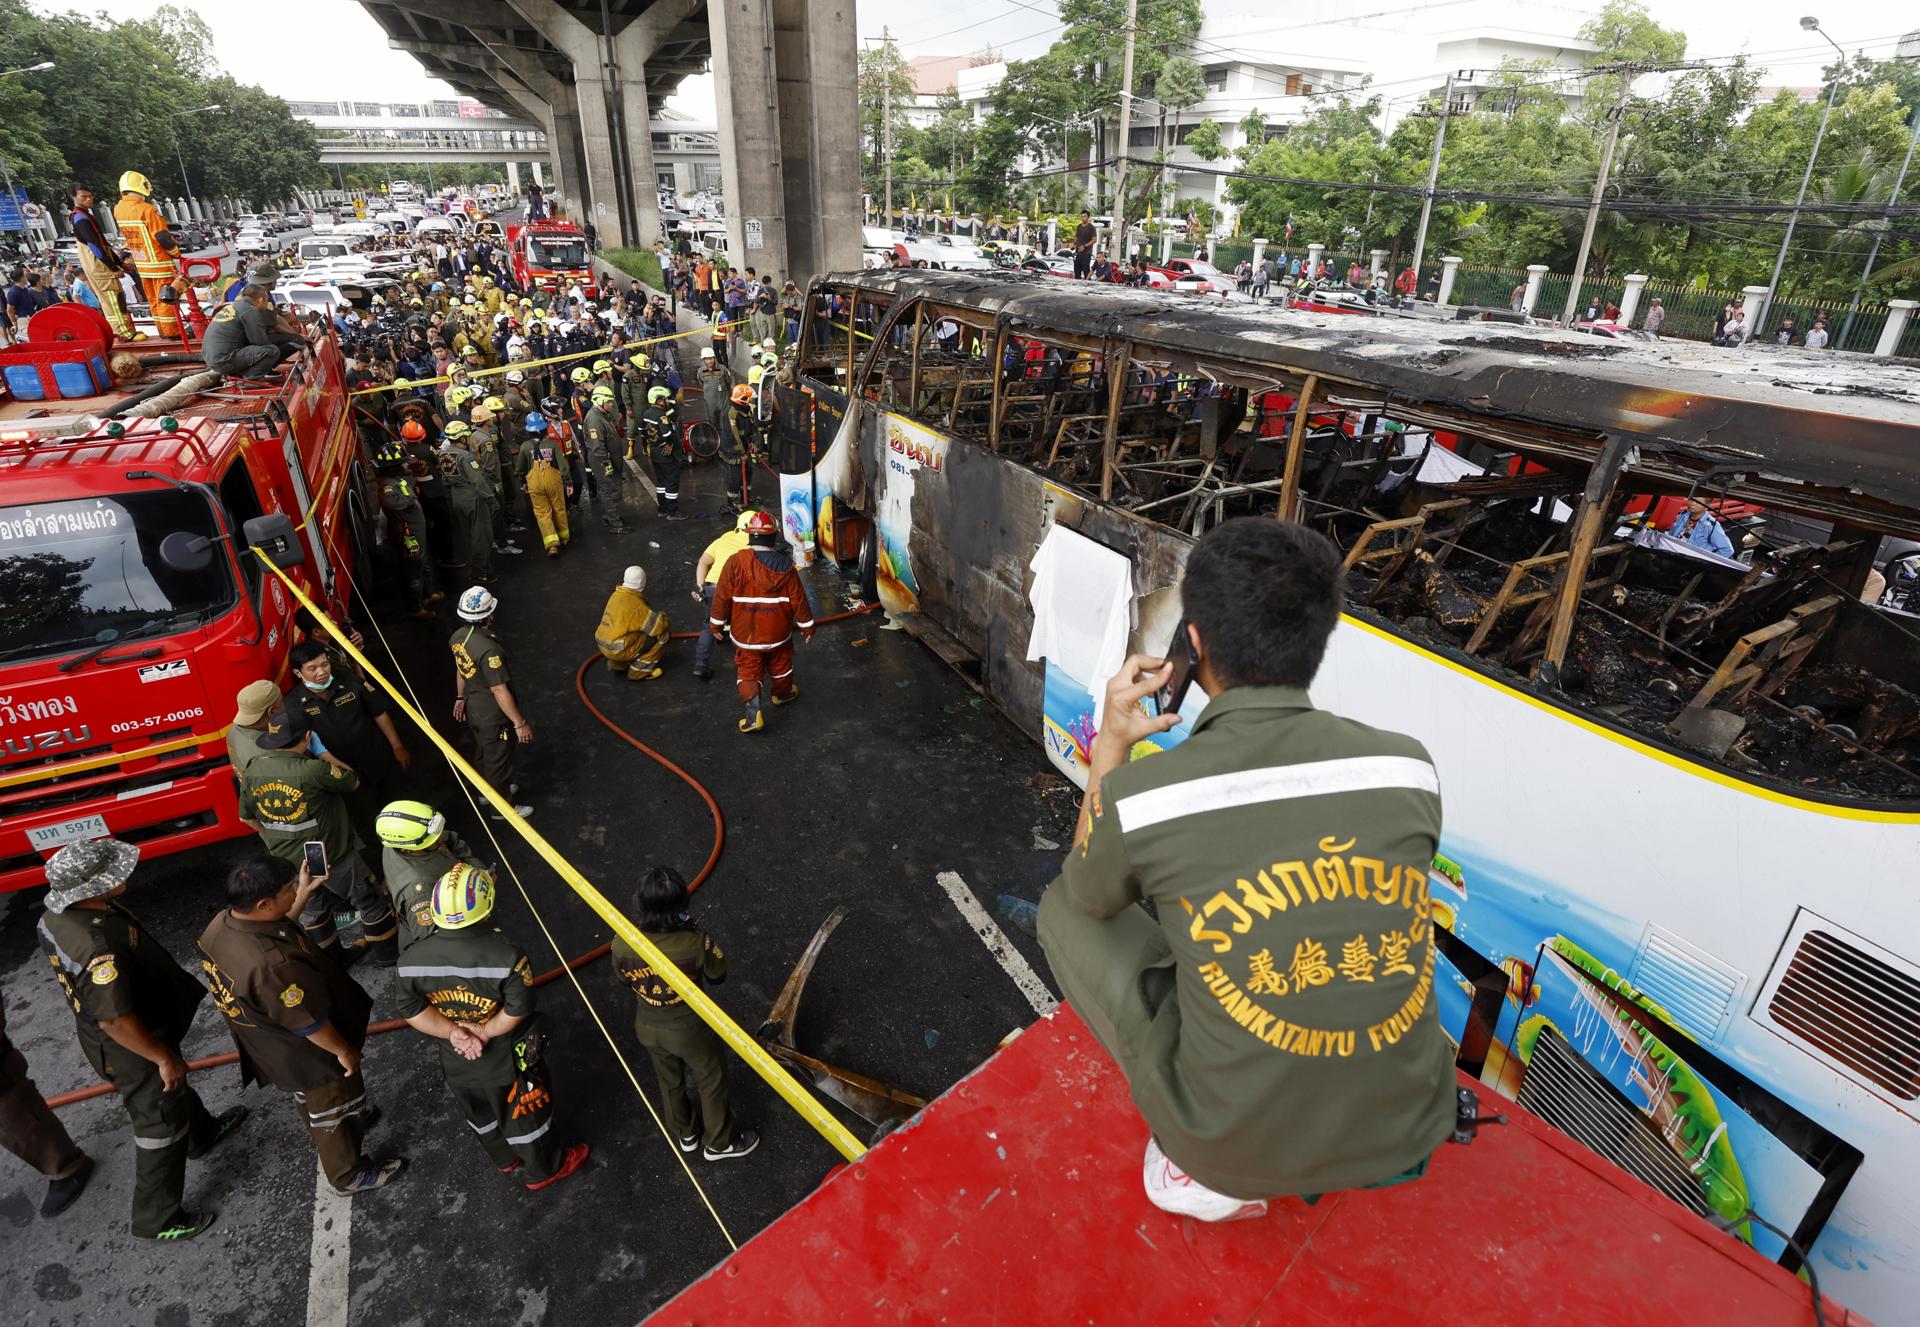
(1682, 785)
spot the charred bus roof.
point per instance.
(1846, 424)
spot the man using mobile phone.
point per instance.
(290, 798)
(297, 1019)
(1276, 1023)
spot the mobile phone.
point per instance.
(316, 858)
(1180, 654)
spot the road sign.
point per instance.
(756, 236)
(13, 210)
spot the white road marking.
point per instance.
(1009, 958)
(330, 1255)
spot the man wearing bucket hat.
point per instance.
(132, 1005)
(256, 706)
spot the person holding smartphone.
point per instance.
(1275, 1021)
(297, 1019)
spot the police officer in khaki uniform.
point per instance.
(680, 1044)
(132, 1005)
(290, 797)
(297, 1019)
(485, 696)
(1277, 1022)
(471, 988)
(416, 849)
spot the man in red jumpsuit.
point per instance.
(761, 601)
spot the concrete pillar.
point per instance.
(1535, 271)
(513, 177)
(1166, 247)
(1020, 233)
(1449, 269)
(539, 176)
(789, 159)
(1630, 302)
(1898, 311)
(600, 185)
(1210, 248)
(1376, 261)
(1259, 251)
(1053, 235)
(1751, 298)
(1314, 254)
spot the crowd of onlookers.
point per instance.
(37, 285)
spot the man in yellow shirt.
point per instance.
(706, 575)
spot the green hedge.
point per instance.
(637, 263)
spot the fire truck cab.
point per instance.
(132, 604)
(551, 255)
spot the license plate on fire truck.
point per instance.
(45, 838)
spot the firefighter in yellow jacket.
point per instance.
(155, 252)
(632, 632)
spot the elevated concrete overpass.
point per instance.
(785, 85)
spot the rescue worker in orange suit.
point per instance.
(761, 601)
(155, 251)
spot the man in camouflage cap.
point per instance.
(132, 1005)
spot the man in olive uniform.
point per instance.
(290, 797)
(485, 701)
(297, 1019)
(351, 717)
(660, 431)
(471, 988)
(416, 849)
(684, 1050)
(600, 433)
(471, 499)
(132, 1005)
(1277, 1023)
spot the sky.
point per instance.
(340, 52)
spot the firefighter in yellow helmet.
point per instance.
(470, 987)
(155, 252)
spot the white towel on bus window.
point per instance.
(1082, 600)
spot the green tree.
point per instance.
(252, 148)
(1205, 141)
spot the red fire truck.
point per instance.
(132, 607)
(551, 255)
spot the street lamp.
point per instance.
(180, 152)
(1811, 24)
(6, 174)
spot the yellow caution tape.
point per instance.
(712, 1014)
(524, 364)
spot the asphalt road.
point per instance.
(887, 772)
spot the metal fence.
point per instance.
(1692, 312)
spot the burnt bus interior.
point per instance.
(1504, 538)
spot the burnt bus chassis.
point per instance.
(1156, 406)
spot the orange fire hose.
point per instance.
(578, 961)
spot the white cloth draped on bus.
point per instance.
(1082, 601)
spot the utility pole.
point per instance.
(1618, 114)
(1873, 254)
(886, 120)
(1433, 178)
(1793, 217)
(1126, 132)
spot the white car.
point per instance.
(255, 241)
